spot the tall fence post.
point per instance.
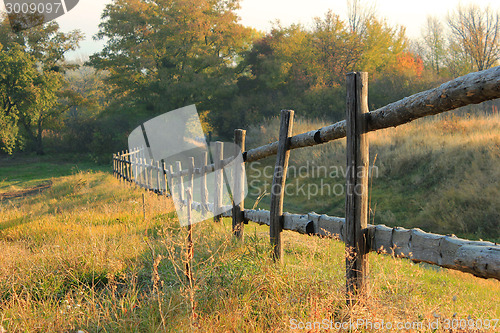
(158, 179)
(190, 247)
(118, 166)
(180, 182)
(191, 175)
(239, 186)
(150, 177)
(356, 185)
(278, 187)
(145, 172)
(170, 180)
(219, 178)
(114, 165)
(142, 172)
(164, 178)
(203, 187)
(123, 166)
(136, 175)
(127, 164)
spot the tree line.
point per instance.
(162, 55)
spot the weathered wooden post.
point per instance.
(129, 173)
(119, 165)
(136, 178)
(219, 178)
(191, 174)
(239, 186)
(356, 185)
(138, 171)
(141, 172)
(189, 250)
(146, 174)
(164, 177)
(203, 187)
(144, 166)
(123, 165)
(114, 165)
(278, 187)
(170, 180)
(158, 179)
(180, 182)
(151, 179)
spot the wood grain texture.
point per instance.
(239, 186)
(356, 202)
(203, 187)
(278, 186)
(219, 180)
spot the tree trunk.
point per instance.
(38, 140)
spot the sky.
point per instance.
(261, 14)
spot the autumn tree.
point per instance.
(337, 49)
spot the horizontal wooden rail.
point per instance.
(479, 258)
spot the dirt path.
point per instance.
(25, 192)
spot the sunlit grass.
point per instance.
(87, 255)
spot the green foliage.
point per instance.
(162, 55)
(31, 83)
(304, 69)
(171, 53)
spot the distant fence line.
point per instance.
(479, 258)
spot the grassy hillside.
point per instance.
(438, 174)
(86, 255)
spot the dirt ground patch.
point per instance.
(27, 191)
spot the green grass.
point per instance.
(80, 256)
(25, 171)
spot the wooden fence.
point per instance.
(477, 257)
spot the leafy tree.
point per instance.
(382, 46)
(304, 69)
(338, 49)
(401, 79)
(165, 54)
(31, 83)
(275, 74)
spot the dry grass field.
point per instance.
(87, 254)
